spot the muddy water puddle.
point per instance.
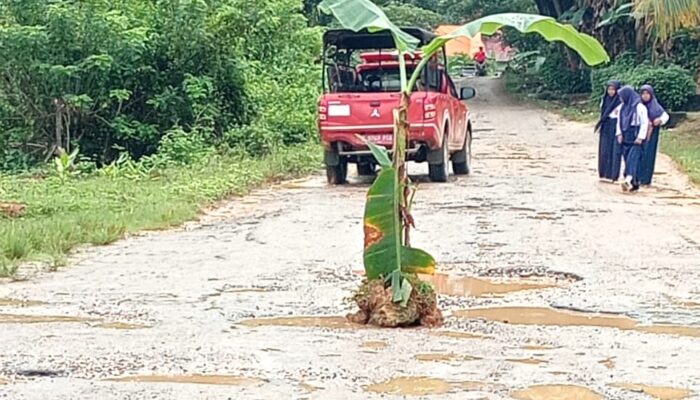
(374, 344)
(423, 386)
(476, 287)
(553, 317)
(227, 380)
(538, 347)
(41, 319)
(459, 335)
(656, 392)
(529, 361)
(5, 302)
(445, 357)
(609, 362)
(556, 392)
(121, 326)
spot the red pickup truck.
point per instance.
(362, 87)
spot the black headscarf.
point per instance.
(653, 106)
(609, 103)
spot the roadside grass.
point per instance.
(61, 214)
(683, 145)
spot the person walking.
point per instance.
(632, 130)
(658, 117)
(608, 153)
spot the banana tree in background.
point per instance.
(387, 219)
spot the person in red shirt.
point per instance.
(480, 56)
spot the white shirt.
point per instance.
(664, 118)
(641, 119)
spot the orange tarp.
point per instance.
(461, 45)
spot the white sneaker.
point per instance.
(627, 184)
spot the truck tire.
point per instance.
(439, 169)
(366, 169)
(337, 174)
(461, 160)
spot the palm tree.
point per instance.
(665, 17)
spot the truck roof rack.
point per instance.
(348, 39)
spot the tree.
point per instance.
(410, 15)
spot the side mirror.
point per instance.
(467, 93)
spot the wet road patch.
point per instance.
(226, 380)
(546, 316)
(656, 392)
(5, 302)
(374, 344)
(543, 316)
(556, 392)
(444, 357)
(423, 386)
(459, 335)
(411, 386)
(530, 361)
(42, 319)
(121, 326)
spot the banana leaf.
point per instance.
(591, 51)
(360, 14)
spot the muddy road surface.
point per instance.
(555, 286)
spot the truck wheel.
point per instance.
(366, 169)
(337, 174)
(439, 169)
(461, 160)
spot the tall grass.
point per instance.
(96, 209)
(683, 145)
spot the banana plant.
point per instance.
(387, 219)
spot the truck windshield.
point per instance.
(381, 80)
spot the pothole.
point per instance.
(121, 326)
(546, 316)
(309, 388)
(459, 335)
(538, 347)
(609, 362)
(445, 357)
(422, 386)
(657, 392)
(556, 392)
(41, 319)
(39, 373)
(476, 287)
(5, 302)
(228, 380)
(374, 345)
(552, 317)
(531, 273)
(531, 361)
(303, 322)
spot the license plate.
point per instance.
(386, 139)
(339, 110)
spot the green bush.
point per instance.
(121, 75)
(556, 77)
(673, 85)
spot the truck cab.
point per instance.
(361, 83)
